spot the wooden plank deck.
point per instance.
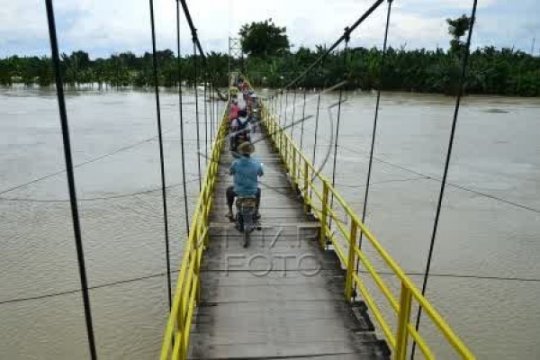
(282, 297)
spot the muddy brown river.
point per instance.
(485, 276)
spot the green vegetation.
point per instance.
(271, 64)
(491, 71)
(124, 69)
(263, 39)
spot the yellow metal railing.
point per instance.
(316, 191)
(176, 338)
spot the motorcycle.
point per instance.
(246, 217)
(238, 137)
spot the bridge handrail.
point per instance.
(304, 175)
(177, 332)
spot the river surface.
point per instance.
(485, 275)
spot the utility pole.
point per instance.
(532, 45)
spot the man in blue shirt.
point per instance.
(246, 172)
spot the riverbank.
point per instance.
(491, 71)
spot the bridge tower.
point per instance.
(236, 56)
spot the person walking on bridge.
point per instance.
(246, 172)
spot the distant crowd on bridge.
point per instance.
(244, 112)
(244, 116)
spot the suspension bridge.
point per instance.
(305, 288)
(232, 302)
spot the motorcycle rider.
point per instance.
(246, 172)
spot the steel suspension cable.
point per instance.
(338, 123)
(342, 38)
(276, 101)
(336, 143)
(216, 115)
(375, 118)
(71, 178)
(161, 157)
(213, 115)
(293, 113)
(286, 102)
(464, 63)
(212, 99)
(197, 45)
(205, 117)
(280, 107)
(316, 128)
(196, 40)
(197, 110)
(315, 135)
(181, 112)
(150, 276)
(302, 125)
(212, 112)
(317, 113)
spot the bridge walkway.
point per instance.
(282, 297)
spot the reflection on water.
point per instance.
(485, 263)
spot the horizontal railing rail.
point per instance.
(342, 236)
(177, 332)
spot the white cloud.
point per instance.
(106, 26)
(22, 19)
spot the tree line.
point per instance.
(270, 63)
(491, 71)
(118, 70)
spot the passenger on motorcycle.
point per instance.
(246, 172)
(233, 111)
(240, 130)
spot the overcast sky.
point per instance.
(102, 27)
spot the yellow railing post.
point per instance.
(279, 142)
(293, 160)
(180, 326)
(286, 147)
(306, 184)
(324, 215)
(350, 262)
(198, 253)
(402, 336)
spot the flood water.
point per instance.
(485, 275)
